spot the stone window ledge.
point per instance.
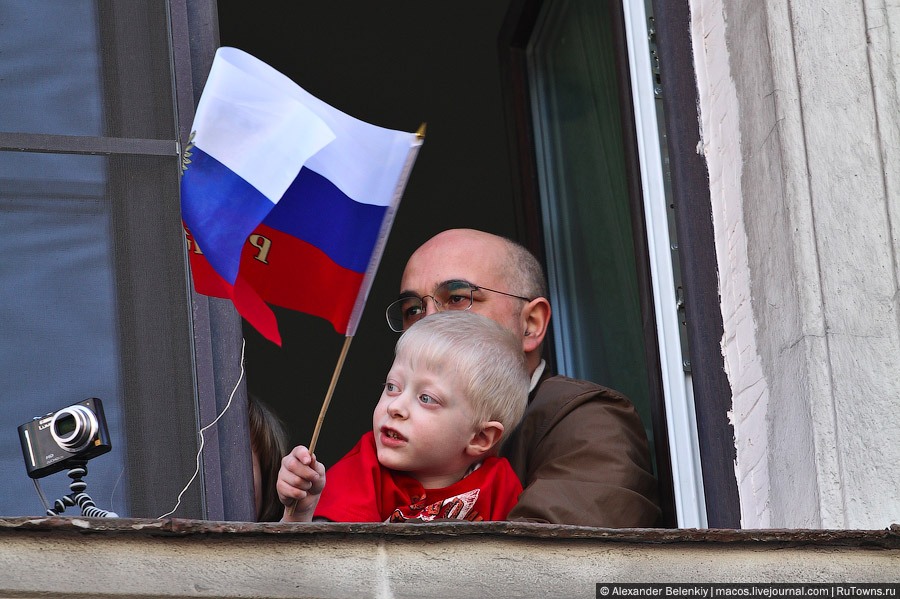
(88, 557)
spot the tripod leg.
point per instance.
(78, 496)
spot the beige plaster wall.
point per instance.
(144, 558)
(799, 111)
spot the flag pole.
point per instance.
(420, 137)
(364, 291)
(331, 386)
(334, 378)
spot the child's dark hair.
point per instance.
(268, 440)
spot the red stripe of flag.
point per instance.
(284, 271)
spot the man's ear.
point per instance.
(485, 439)
(536, 318)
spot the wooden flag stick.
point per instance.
(328, 394)
(331, 386)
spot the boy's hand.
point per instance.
(300, 481)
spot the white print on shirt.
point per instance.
(458, 507)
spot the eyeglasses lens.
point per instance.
(454, 295)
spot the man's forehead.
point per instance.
(438, 264)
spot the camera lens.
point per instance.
(65, 425)
(73, 428)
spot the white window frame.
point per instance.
(681, 421)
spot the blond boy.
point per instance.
(457, 386)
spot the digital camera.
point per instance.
(58, 440)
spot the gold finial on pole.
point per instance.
(420, 134)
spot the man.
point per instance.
(580, 450)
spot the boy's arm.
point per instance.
(300, 482)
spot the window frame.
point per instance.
(217, 335)
(217, 328)
(696, 248)
(693, 224)
(522, 17)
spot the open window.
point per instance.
(554, 140)
(544, 124)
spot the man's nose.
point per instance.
(430, 307)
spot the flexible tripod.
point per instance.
(78, 496)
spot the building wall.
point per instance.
(799, 117)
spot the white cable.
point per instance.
(112, 493)
(202, 440)
(40, 492)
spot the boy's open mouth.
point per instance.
(390, 433)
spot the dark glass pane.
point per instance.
(57, 305)
(587, 218)
(85, 67)
(93, 303)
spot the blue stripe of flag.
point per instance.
(221, 210)
(315, 210)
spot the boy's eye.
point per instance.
(427, 399)
(391, 387)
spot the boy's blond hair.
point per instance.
(486, 359)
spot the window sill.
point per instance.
(76, 556)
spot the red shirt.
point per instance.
(359, 489)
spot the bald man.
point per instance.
(580, 450)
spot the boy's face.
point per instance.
(423, 424)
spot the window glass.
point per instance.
(85, 67)
(585, 202)
(50, 67)
(57, 303)
(94, 305)
(94, 294)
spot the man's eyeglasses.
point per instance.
(452, 295)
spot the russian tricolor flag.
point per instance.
(286, 200)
